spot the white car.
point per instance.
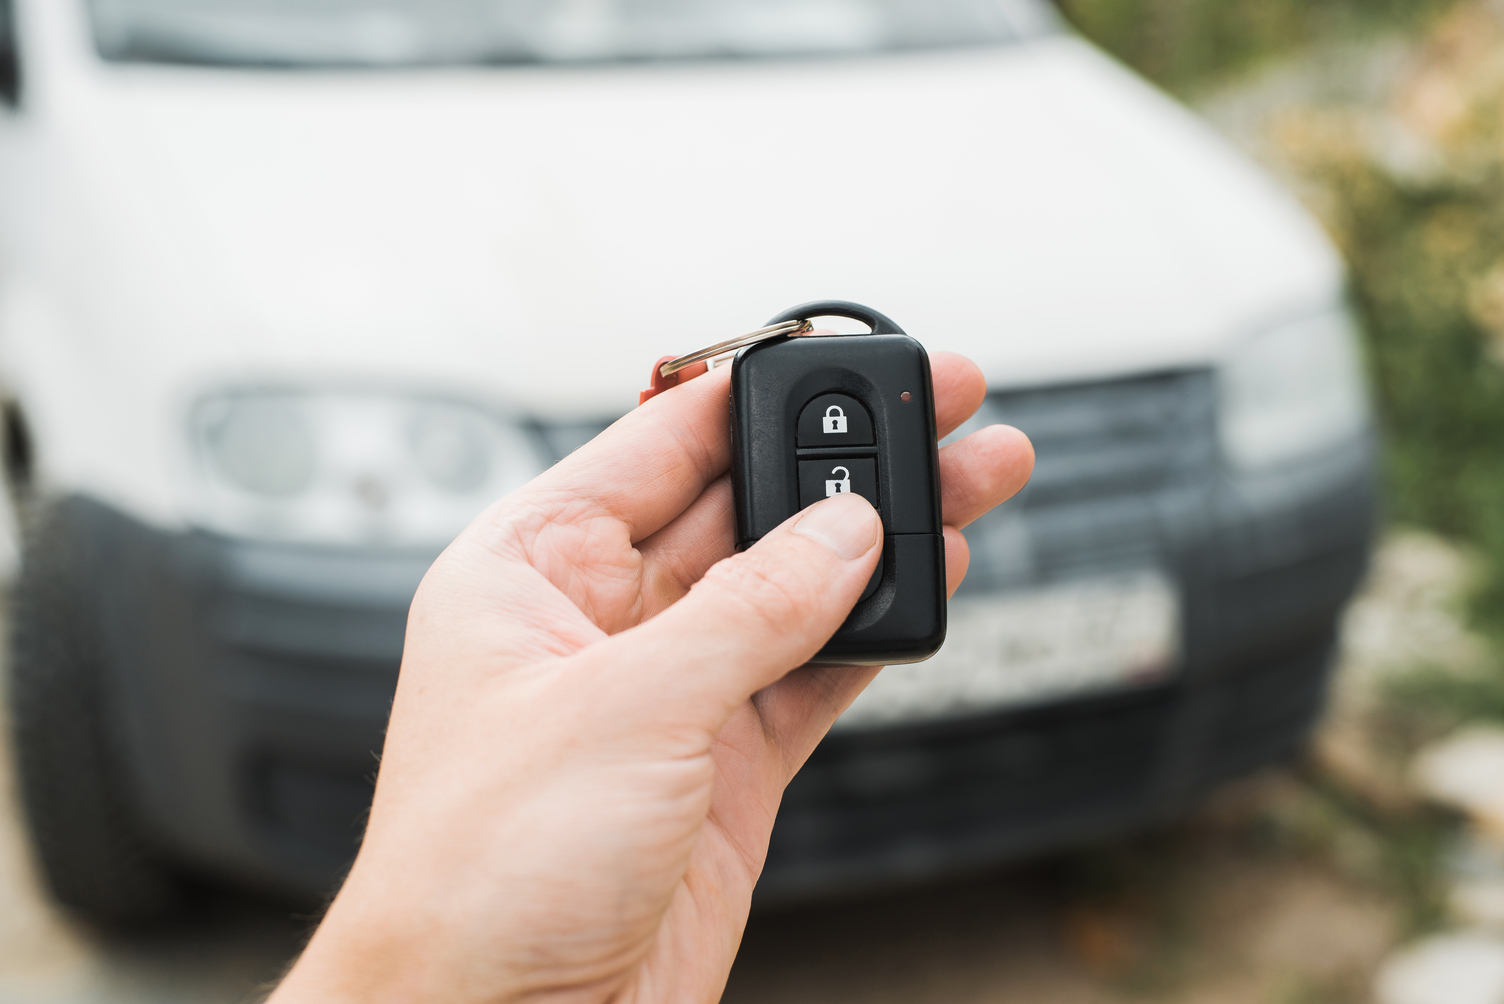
(291, 289)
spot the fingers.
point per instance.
(983, 471)
(677, 554)
(754, 616)
(960, 390)
(651, 465)
(957, 559)
(976, 474)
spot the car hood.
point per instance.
(540, 236)
(545, 234)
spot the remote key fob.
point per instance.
(813, 417)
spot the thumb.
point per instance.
(756, 615)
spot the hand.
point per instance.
(599, 707)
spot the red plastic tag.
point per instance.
(662, 383)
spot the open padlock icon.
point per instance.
(841, 486)
(835, 424)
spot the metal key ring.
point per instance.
(789, 323)
(793, 326)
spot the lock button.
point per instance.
(820, 479)
(834, 420)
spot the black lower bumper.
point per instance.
(907, 804)
(250, 686)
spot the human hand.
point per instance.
(599, 708)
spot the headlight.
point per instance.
(1292, 391)
(261, 445)
(352, 467)
(452, 446)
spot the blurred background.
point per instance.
(1217, 721)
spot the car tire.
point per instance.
(93, 854)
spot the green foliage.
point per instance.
(1183, 43)
(1449, 697)
(1415, 255)
(1426, 259)
(1408, 846)
(1418, 250)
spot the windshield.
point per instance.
(437, 32)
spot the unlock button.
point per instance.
(819, 479)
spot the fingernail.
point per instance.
(847, 524)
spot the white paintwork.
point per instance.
(539, 236)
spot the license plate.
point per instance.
(1029, 647)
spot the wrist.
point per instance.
(361, 953)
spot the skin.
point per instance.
(599, 708)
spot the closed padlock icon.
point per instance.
(841, 486)
(835, 424)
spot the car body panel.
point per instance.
(498, 232)
(534, 237)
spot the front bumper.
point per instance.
(249, 689)
(251, 683)
(1128, 476)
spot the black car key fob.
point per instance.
(813, 417)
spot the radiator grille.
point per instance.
(1114, 461)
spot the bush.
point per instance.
(1425, 244)
(1183, 43)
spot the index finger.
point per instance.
(960, 389)
(654, 461)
